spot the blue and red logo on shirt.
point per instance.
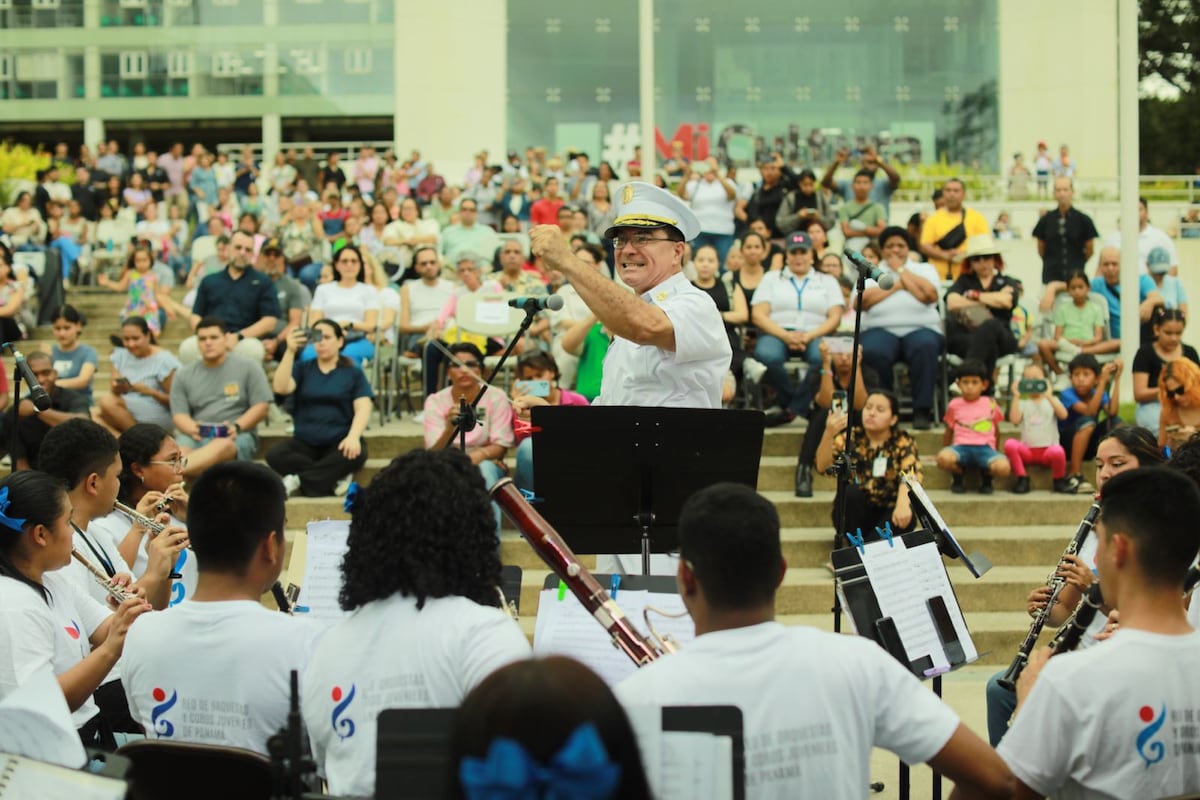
(73, 630)
(163, 728)
(1151, 751)
(343, 726)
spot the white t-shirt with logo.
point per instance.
(34, 634)
(1120, 720)
(214, 672)
(813, 705)
(116, 525)
(388, 654)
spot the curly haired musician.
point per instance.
(1120, 719)
(813, 703)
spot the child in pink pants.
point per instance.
(1037, 412)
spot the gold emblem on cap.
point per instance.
(627, 195)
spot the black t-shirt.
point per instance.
(764, 204)
(970, 282)
(152, 175)
(1147, 361)
(1065, 237)
(724, 303)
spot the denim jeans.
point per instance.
(773, 353)
(919, 349)
(1000, 705)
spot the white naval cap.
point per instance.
(644, 205)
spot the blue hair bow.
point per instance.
(12, 523)
(352, 497)
(580, 770)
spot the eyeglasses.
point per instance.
(179, 463)
(1178, 391)
(465, 364)
(638, 240)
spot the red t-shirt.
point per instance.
(545, 211)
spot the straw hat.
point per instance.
(981, 245)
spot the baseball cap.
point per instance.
(271, 244)
(799, 241)
(1159, 260)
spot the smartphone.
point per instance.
(210, 430)
(314, 335)
(122, 381)
(839, 344)
(1032, 386)
(839, 403)
(536, 388)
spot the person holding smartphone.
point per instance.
(537, 385)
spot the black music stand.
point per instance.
(650, 459)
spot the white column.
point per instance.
(93, 131)
(646, 87)
(1127, 115)
(272, 135)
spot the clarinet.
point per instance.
(1056, 583)
(115, 591)
(1071, 633)
(558, 556)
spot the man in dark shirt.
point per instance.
(32, 426)
(1065, 240)
(241, 297)
(330, 173)
(155, 177)
(777, 181)
(83, 193)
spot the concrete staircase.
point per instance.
(1023, 535)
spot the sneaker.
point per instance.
(782, 417)
(804, 480)
(956, 484)
(1021, 486)
(1060, 486)
(985, 484)
(291, 483)
(753, 370)
(1083, 487)
(418, 417)
(922, 420)
(343, 486)
(1071, 484)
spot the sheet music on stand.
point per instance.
(898, 593)
(320, 552)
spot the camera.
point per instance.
(1032, 386)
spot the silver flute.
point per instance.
(154, 526)
(113, 588)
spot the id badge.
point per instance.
(879, 466)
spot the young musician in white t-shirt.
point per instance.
(814, 704)
(216, 669)
(45, 619)
(421, 579)
(1120, 719)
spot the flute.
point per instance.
(151, 525)
(114, 589)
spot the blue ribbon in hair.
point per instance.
(581, 770)
(352, 497)
(12, 523)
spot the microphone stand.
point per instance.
(468, 413)
(843, 462)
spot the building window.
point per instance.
(47, 5)
(179, 64)
(226, 64)
(132, 64)
(38, 67)
(307, 62)
(358, 61)
(5, 4)
(132, 3)
(5, 66)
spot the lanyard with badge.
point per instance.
(799, 292)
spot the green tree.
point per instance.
(1168, 45)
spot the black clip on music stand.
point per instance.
(599, 469)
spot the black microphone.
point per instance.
(41, 400)
(884, 278)
(551, 301)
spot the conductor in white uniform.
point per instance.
(669, 347)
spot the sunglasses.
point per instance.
(466, 364)
(1178, 391)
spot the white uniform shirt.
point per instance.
(813, 705)
(388, 654)
(34, 635)
(1194, 611)
(799, 303)
(1116, 721)
(901, 313)
(116, 526)
(688, 377)
(214, 672)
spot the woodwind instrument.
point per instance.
(154, 526)
(1071, 633)
(558, 556)
(1056, 583)
(114, 590)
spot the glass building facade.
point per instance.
(918, 78)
